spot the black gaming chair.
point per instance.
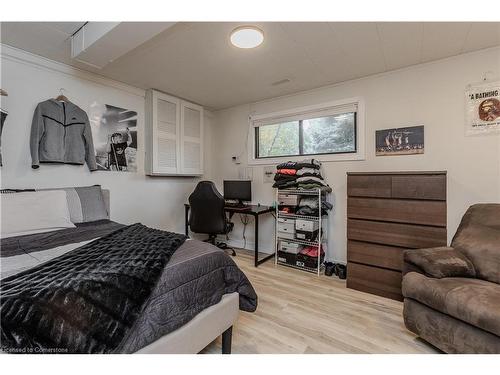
(207, 214)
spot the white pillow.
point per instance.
(34, 212)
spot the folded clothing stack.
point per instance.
(303, 174)
(309, 206)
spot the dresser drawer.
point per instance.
(375, 255)
(402, 235)
(398, 210)
(431, 187)
(369, 186)
(379, 281)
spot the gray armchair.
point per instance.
(452, 294)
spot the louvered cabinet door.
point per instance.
(166, 134)
(191, 150)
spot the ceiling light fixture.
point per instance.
(247, 37)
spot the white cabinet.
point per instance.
(174, 136)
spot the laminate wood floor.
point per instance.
(299, 312)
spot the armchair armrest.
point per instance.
(438, 262)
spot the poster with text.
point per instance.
(114, 131)
(483, 108)
(399, 141)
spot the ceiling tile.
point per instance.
(401, 43)
(443, 39)
(37, 38)
(360, 48)
(317, 43)
(482, 35)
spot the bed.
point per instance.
(98, 286)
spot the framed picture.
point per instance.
(114, 131)
(482, 108)
(400, 141)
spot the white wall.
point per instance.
(29, 79)
(429, 94)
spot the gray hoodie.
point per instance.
(60, 133)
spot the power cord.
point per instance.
(245, 220)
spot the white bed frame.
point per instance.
(204, 328)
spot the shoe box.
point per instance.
(286, 228)
(286, 257)
(303, 260)
(306, 229)
(290, 247)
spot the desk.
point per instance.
(255, 211)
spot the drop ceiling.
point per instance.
(197, 62)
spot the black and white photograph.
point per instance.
(400, 141)
(114, 131)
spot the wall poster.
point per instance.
(114, 131)
(482, 108)
(399, 141)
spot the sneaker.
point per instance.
(329, 268)
(341, 271)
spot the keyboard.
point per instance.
(238, 206)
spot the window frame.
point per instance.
(301, 142)
(314, 111)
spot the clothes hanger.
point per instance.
(61, 97)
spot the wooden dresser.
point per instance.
(386, 214)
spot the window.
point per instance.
(278, 139)
(331, 131)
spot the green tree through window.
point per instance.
(320, 135)
(279, 139)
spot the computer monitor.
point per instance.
(240, 190)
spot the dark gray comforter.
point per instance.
(196, 277)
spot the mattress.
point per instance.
(197, 276)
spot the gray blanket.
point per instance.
(196, 277)
(31, 243)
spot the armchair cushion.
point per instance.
(481, 244)
(474, 301)
(440, 262)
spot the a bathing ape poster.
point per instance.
(483, 108)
